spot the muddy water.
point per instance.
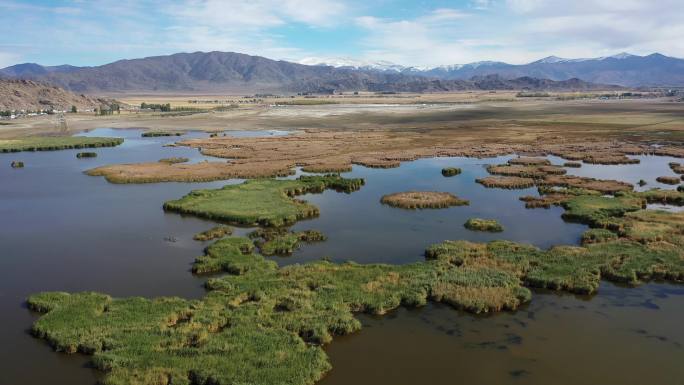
(63, 230)
(622, 336)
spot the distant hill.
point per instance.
(234, 72)
(32, 95)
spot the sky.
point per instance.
(406, 32)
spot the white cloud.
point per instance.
(7, 59)
(245, 26)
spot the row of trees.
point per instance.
(161, 107)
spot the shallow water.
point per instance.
(621, 336)
(64, 230)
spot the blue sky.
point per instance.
(420, 33)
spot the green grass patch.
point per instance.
(451, 171)
(479, 224)
(281, 241)
(86, 155)
(50, 143)
(265, 202)
(17, 164)
(213, 233)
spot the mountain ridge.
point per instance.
(236, 72)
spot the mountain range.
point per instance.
(222, 72)
(623, 69)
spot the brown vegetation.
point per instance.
(507, 182)
(672, 180)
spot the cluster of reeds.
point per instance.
(213, 233)
(174, 160)
(479, 224)
(17, 164)
(506, 182)
(86, 155)
(152, 134)
(53, 143)
(451, 171)
(671, 180)
(422, 200)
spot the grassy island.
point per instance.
(86, 155)
(174, 160)
(671, 180)
(265, 202)
(478, 224)
(17, 164)
(50, 143)
(152, 134)
(506, 182)
(451, 171)
(213, 233)
(280, 241)
(422, 200)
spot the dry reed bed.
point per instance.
(334, 151)
(671, 180)
(506, 182)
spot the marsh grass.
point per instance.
(572, 164)
(17, 164)
(264, 202)
(152, 134)
(506, 182)
(86, 155)
(451, 171)
(264, 324)
(51, 143)
(174, 160)
(422, 200)
(213, 233)
(671, 180)
(281, 241)
(479, 224)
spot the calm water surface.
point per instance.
(63, 230)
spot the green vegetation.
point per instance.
(265, 202)
(156, 107)
(152, 134)
(17, 164)
(572, 164)
(174, 160)
(264, 324)
(478, 224)
(423, 200)
(280, 241)
(451, 171)
(597, 236)
(86, 155)
(213, 233)
(49, 143)
(599, 211)
(261, 324)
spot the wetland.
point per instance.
(344, 288)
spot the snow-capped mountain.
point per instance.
(380, 65)
(624, 69)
